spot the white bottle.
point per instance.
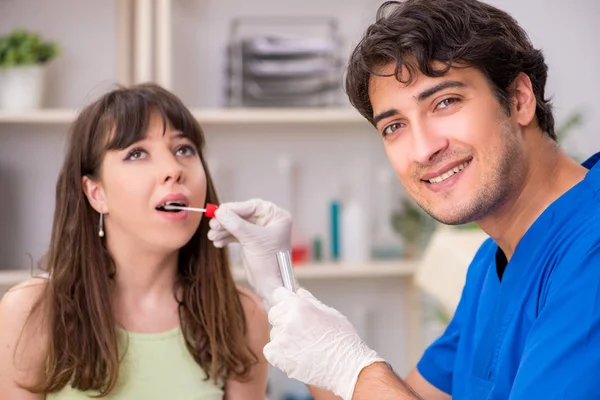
(354, 237)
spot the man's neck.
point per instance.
(549, 174)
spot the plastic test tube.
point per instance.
(285, 268)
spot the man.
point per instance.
(456, 91)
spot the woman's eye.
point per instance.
(185, 151)
(136, 154)
(390, 129)
(447, 102)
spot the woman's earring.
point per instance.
(101, 230)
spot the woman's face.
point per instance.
(164, 166)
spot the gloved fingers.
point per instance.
(247, 210)
(217, 235)
(280, 308)
(214, 224)
(281, 294)
(277, 350)
(220, 237)
(257, 211)
(305, 294)
(275, 334)
(231, 221)
(224, 242)
(308, 296)
(271, 352)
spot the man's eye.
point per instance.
(185, 150)
(447, 102)
(390, 129)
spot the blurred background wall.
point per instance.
(309, 159)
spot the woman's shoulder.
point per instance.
(18, 301)
(17, 305)
(256, 318)
(23, 337)
(250, 300)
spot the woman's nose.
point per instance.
(171, 169)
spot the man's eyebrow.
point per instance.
(383, 115)
(439, 87)
(420, 97)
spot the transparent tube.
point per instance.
(285, 268)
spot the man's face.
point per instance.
(456, 151)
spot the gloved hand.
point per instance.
(316, 344)
(263, 230)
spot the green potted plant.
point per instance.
(414, 225)
(23, 57)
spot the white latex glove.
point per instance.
(263, 230)
(316, 344)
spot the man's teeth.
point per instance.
(449, 173)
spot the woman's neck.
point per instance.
(145, 278)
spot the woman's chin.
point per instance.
(172, 242)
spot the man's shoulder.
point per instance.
(581, 235)
(574, 256)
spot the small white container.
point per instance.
(22, 88)
(354, 237)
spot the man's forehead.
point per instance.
(412, 80)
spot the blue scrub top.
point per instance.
(534, 334)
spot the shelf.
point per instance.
(210, 116)
(48, 116)
(278, 115)
(374, 269)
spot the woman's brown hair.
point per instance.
(83, 346)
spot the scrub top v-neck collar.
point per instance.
(513, 278)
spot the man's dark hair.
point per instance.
(417, 33)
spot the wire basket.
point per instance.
(284, 62)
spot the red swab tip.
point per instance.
(210, 210)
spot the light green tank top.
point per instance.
(155, 366)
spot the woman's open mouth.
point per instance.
(161, 207)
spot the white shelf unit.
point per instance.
(273, 116)
(211, 116)
(41, 117)
(139, 59)
(367, 270)
(304, 272)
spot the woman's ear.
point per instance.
(95, 194)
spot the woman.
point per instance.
(138, 303)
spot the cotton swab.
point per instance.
(209, 211)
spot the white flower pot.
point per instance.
(21, 88)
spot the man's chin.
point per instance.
(451, 216)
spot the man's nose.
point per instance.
(426, 144)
